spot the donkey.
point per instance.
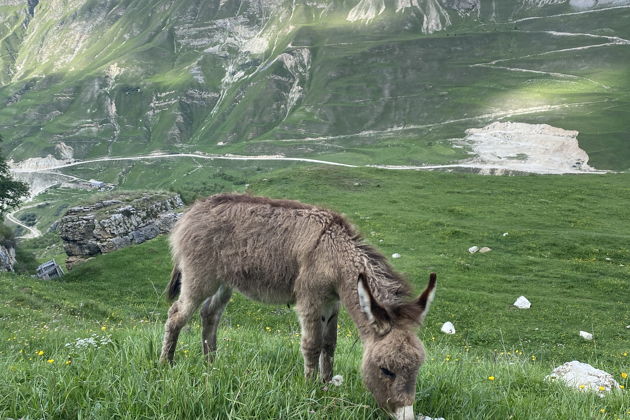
(286, 252)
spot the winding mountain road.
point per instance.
(33, 232)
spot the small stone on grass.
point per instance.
(448, 328)
(522, 303)
(337, 380)
(586, 335)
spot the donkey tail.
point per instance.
(175, 285)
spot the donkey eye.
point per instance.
(388, 372)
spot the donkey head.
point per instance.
(393, 354)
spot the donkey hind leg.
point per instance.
(329, 340)
(178, 316)
(211, 312)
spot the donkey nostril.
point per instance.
(388, 373)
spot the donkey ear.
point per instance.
(376, 315)
(425, 299)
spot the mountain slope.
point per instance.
(380, 81)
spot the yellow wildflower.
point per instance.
(491, 378)
(622, 387)
(40, 353)
(582, 386)
(624, 375)
(602, 410)
(268, 329)
(601, 388)
(103, 328)
(51, 360)
(533, 357)
(68, 362)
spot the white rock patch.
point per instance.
(586, 335)
(584, 377)
(37, 164)
(448, 328)
(538, 148)
(522, 303)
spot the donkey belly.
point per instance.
(278, 297)
(264, 286)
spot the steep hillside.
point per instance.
(376, 81)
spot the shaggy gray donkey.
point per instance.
(286, 252)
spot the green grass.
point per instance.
(566, 250)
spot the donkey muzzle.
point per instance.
(404, 413)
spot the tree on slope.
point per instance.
(11, 191)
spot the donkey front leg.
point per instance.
(329, 321)
(312, 328)
(211, 312)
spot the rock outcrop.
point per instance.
(108, 225)
(7, 257)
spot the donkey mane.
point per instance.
(245, 198)
(389, 288)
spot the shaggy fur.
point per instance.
(286, 252)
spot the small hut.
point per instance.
(49, 270)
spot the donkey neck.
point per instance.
(350, 299)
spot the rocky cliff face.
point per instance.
(116, 223)
(7, 257)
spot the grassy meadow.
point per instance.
(87, 346)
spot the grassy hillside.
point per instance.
(565, 251)
(305, 78)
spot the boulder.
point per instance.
(584, 377)
(108, 225)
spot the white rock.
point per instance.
(337, 380)
(584, 377)
(522, 303)
(537, 148)
(221, 143)
(448, 328)
(628, 327)
(505, 234)
(586, 335)
(484, 250)
(421, 417)
(473, 249)
(396, 255)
